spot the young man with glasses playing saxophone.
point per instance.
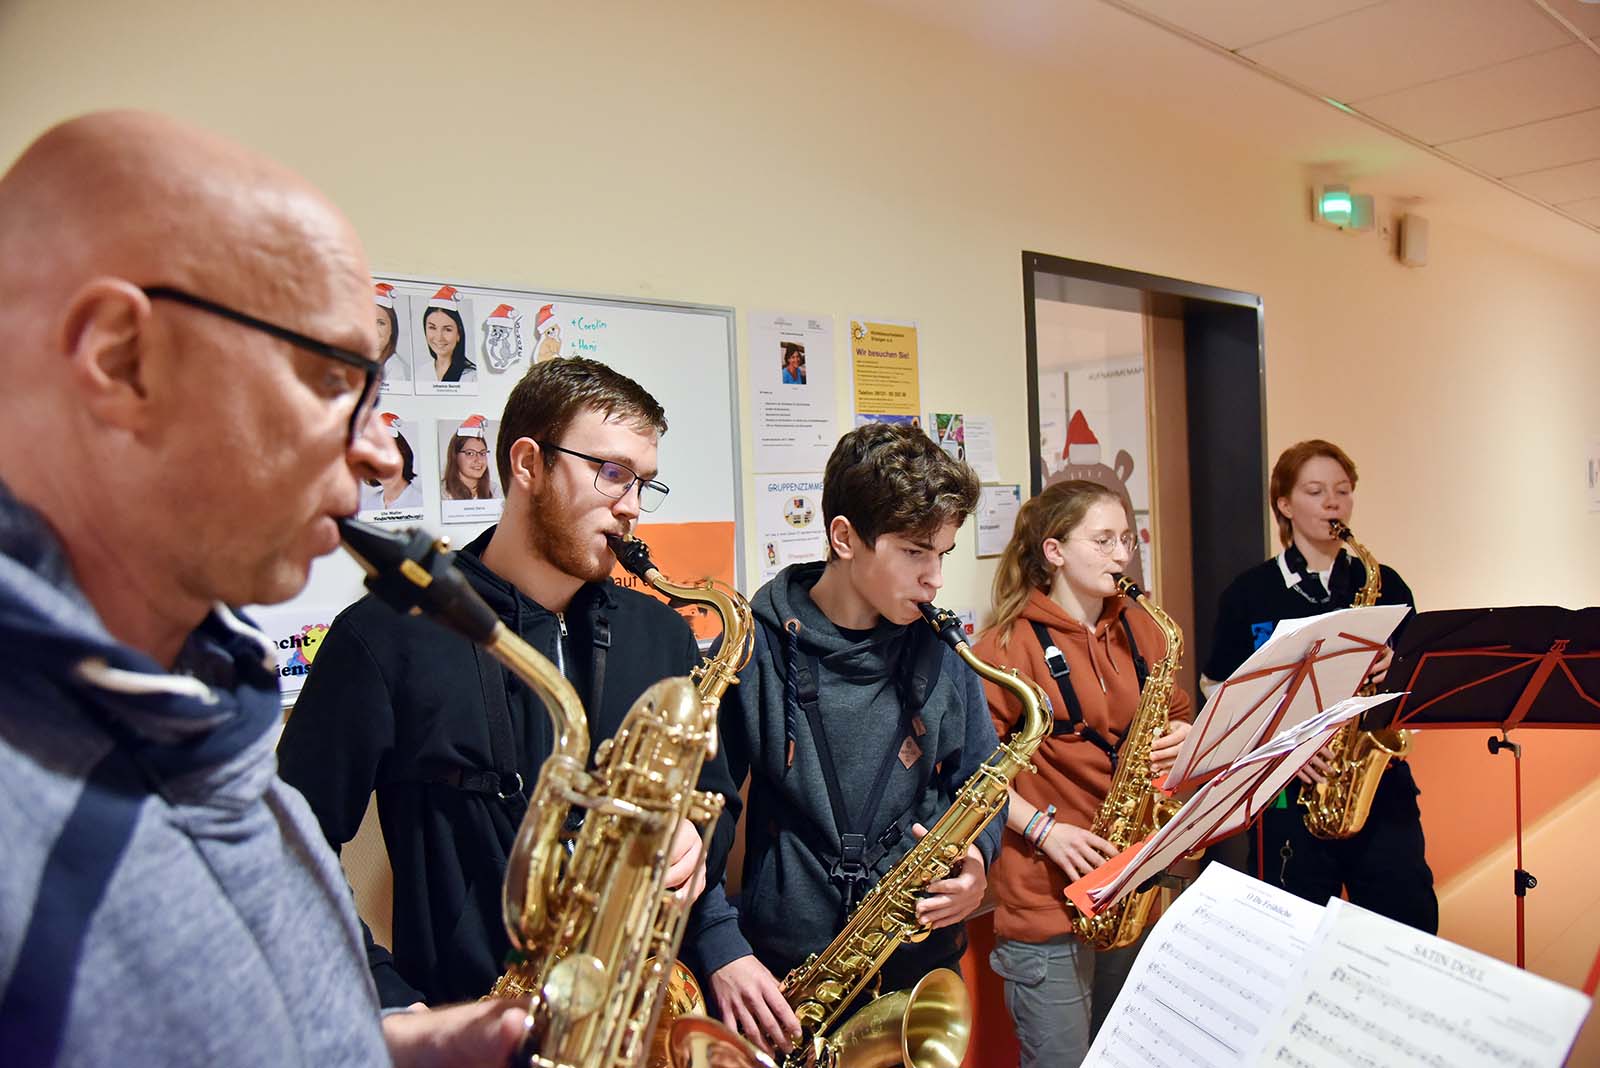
(449, 742)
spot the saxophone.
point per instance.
(929, 1025)
(1338, 806)
(681, 997)
(1133, 807)
(581, 932)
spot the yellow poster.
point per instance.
(885, 359)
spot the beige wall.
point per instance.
(829, 158)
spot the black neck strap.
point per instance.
(855, 861)
(1074, 724)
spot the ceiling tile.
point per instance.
(1584, 16)
(1404, 43)
(1541, 86)
(1562, 185)
(1233, 24)
(1535, 147)
(1587, 210)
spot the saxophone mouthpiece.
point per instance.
(1339, 529)
(411, 573)
(946, 622)
(1128, 587)
(632, 553)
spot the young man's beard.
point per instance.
(554, 535)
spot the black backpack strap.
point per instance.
(1056, 661)
(505, 781)
(853, 863)
(597, 673)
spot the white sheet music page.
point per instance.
(1225, 804)
(1263, 698)
(1374, 992)
(1211, 978)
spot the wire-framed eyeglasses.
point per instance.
(371, 370)
(615, 480)
(1106, 543)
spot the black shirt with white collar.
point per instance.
(1258, 599)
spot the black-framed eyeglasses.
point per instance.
(370, 368)
(615, 480)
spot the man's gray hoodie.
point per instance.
(897, 690)
(164, 898)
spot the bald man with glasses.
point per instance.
(189, 350)
(447, 741)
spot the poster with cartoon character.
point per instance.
(294, 641)
(546, 334)
(502, 338)
(1081, 459)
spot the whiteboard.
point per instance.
(683, 354)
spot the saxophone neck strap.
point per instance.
(505, 780)
(856, 855)
(1074, 724)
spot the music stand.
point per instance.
(1501, 668)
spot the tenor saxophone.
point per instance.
(1133, 808)
(584, 933)
(928, 1026)
(681, 996)
(1338, 806)
(931, 1024)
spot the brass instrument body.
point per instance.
(679, 995)
(1338, 806)
(582, 929)
(1133, 807)
(820, 989)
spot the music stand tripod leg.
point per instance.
(1522, 880)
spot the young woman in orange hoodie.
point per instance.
(1055, 591)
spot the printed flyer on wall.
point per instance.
(791, 403)
(884, 365)
(789, 526)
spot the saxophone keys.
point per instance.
(575, 986)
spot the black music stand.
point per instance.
(1501, 668)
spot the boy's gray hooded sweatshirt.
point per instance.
(899, 690)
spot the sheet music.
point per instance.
(1212, 976)
(1223, 805)
(1375, 993)
(1241, 713)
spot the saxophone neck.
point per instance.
(1036, 711)
(1169, 628)
(718, 672)
(1370, 589)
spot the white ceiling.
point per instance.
(1507, 88)
(1480, 112)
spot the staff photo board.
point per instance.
(452, 352)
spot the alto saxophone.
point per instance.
(925, 1027)
(1133, 808)
(681, 996)
(1338, 806)
(934, 1018)
(581, 932)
